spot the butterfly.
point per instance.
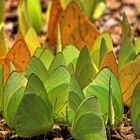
(19, 54)
(75, 28)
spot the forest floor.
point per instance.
(109, 22)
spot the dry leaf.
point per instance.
(55, 13)
(129, 76)
(110, 61)
(75, 27)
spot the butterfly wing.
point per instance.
(110, 61)
(6, 64)
(75, 27)
(19, 54)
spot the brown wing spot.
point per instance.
(69, 25)
(48, 40)
(63, 16)
(95, 37)
(79, 17)
(27, 50)
(73, 37)
(23, 61)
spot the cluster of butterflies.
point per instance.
(75, 28)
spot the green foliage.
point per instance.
(135, 112)
(103, 51)
(38, 52)
(36, 66)
(56, 91)
(57, 86)
(99, 10)
(34, 113)
(88, 123)
(103, 42)
(3, 46)
(46, 57)
(32, 40)
(1, 85)
(126, 29)
(91, 8)
(137, 45)
(30, 15)
(111, 113)
(35, 14)
(85, 68)
(53, 86)
(127, 52)
(75, 98)
(23, 19)
(2, 2)
(100, 88)
(71, 55)
(58, 61)
(12, 68)
(12, 96)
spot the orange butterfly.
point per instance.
(54, 19)
(110, 61)
(19, 55)
(75, 28)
